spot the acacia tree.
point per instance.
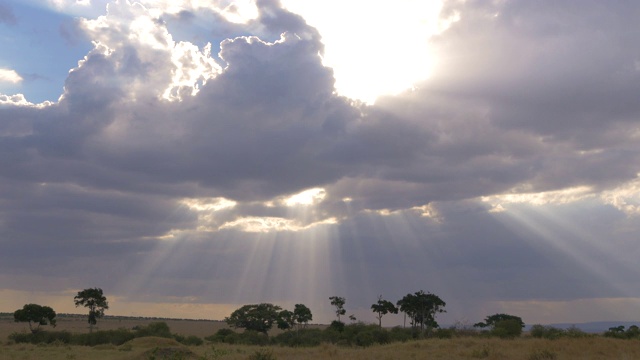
(338, 302)
(256, 317)
(95, 301)
(285, 320)
(302, 315)
(35, 314)
(503, 325)
(492, 320)
(422, 308)
(383, 307)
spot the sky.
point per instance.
(189, 157)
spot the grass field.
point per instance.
(147, 348)
(78, 324)
(458, 348)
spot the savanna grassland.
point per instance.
(146, 348)
(457, 348)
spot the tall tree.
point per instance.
(422, 308)
(302, 315)
(256, 317)
(95, 301)
(286, 320)
(338, 302)
(383, 307)
(35, 314)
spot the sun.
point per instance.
(375, 48)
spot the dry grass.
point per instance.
(525, 348)
(459, 348)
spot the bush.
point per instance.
(41, 337)
(618, 332)
(303, 337)
(337, 326)
(115, 337)
(507, 329)
(191, 340)
(400, 334)
(574, 332)
(160, 329)
(364, 338)
(220, 335)
(444, 333)
(249, 337)
(546, 332)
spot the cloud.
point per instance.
(192, 167)
(6, 15)
(10, 76)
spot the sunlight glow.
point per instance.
(374, 48)
(192, 68)
(209, 204)
(235, 11)
(564, 196)
(547, 223)
(307, 197)
(625, 198)
(8, 75)
(269, 224)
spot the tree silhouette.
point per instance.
(338, 302)
(383, 307)
(35, 314)
(95, 301)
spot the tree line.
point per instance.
(420, 309)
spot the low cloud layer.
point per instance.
(166, 169)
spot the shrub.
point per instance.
(574, 332)
(364, 338)
(444, 333)
(337, 326)
(160, 329)
(507, 329)
(115, 337)
(220, 335)
(546, 332)
(400, 334)
(191, 340)
(303, 337)
(249, 337)
(41, 337)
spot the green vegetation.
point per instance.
(113, 337)
(422, 309)
(618, 332)
(503, 325)
(257, 317)
(333, 341)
